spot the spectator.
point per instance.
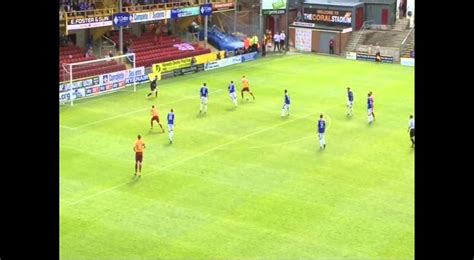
(401, 11)
(84, 6)
(264, 46)
(282, 40)
(276, 42)
(269, 37)
(378, 58)
(111, 54)
(128, 46)
(164, 29)
(255, 43)
(377, 49)
(331, 46)
(67, 8)
(218, 55)
(75, 6)
(89, 52)
(193, 29)
(246, 44)
(89, 40)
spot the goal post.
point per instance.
(95, 77)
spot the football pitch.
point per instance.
(244, 183)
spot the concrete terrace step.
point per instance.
(401, 25)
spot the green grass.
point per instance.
(244, 183)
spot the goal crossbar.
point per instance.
(70, 66)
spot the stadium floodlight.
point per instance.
(77, 71)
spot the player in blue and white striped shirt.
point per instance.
(350, 101)
(411, 129)
(370, 107)
(232, 92)
(170, 125)
(204, 95)
(321, 131)
(286, 105)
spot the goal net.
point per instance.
(98, 76)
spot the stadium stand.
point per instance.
(72, 54)
(222, 40)
(150, 50)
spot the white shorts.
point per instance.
(286, 106)
(232, 95)
(170, 127)
(204, 100)
(369, 111)
(349, 103)
(321, 135)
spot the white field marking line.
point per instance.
(171, 82)
(65, 201)
(135, 111)
(191, 157)
(67, 127)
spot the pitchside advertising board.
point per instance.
(202, 62)
(101, 84)
(223, 63)
(249, 56)
(88, 22)
(370, 57)
(407, 62)
(188, 70)
(170, 66)
(351, 55)
(273, 6)
(327, 17)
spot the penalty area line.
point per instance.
(133, 112)
(178, 162)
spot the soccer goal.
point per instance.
(96, 77)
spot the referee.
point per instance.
(411, 129)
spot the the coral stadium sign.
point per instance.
(328, 17)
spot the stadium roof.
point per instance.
(329, 2)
